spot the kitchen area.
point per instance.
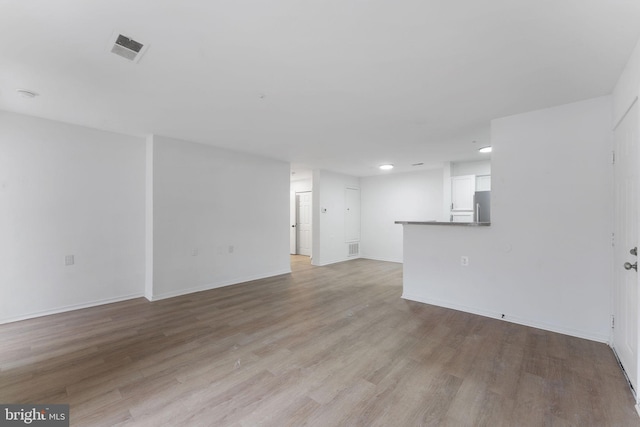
(467, 195)
(469, 187)
(471, 199)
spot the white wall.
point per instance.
(415, 196)
(68, 190)
(627, 87)
(208, 200)
(301, 185)
(482, 167)
(546, 259)
(329, 244)
(447, 170)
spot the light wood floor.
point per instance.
(324, 346)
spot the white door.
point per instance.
(303, 223)
(352, 215)
(625, 332)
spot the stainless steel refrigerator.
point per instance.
(482, 206)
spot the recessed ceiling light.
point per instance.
(386, 167)
(485, 149)
(26, 93)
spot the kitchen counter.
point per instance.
(455, 224)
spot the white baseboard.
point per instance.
(396, 260)
(335, 261)
(510, 318)
(70, 308)
(207, 287)
(141, 295)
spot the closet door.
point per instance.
(352, 215)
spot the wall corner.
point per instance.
(148, 235)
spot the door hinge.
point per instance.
(613, 321)
(613, 239)
(613, 157)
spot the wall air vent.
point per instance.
(354, 249)
(127, 47)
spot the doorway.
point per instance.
(303, 223)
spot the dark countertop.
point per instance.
(456, 224)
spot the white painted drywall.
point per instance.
(627, 87)
(481, 167)
(219, 217)
(68, 190)
(329, 245)
(415, 196)
(148, 224)
(301, 185)
(446, 192)
(546, 259)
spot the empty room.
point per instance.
(355, 213)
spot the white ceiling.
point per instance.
(342, 85)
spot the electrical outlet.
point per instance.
(194, 252)
(231, 249)
(464, 261)
(69, 260)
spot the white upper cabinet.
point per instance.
(462, 190)
(483, 183)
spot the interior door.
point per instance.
(303, 223)
(352, 215)
(625, 332)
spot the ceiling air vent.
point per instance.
(126, 47)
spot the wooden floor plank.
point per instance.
(325, 346)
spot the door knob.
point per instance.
(634, 251)
(629, 266)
